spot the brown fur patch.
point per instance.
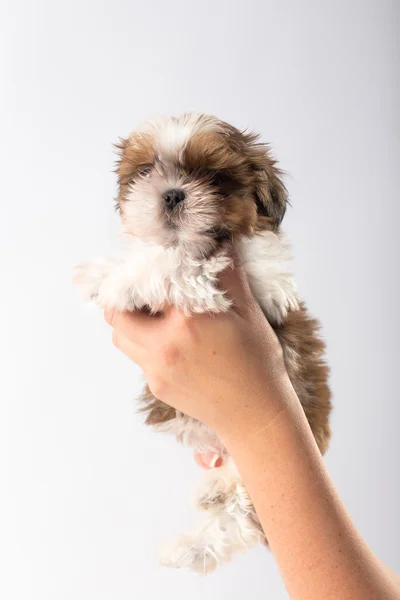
(239, 215)
(240, 156)
(135, 153)
(215, 151)
(157, 411)
(304, 358)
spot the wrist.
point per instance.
(255, 415)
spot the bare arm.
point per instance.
(319, 552)
(228, 371)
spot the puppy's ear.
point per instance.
(271, 195)
(270, 192)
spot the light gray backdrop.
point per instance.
(88, 493)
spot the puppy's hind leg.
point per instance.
(231, 526)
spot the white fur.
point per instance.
(229, 527)
(171, 133)
(153, 276)
(266, 258)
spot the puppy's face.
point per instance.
(194, 182)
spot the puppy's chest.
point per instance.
(171, 276)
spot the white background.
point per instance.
(88, 494)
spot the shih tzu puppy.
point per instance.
(189, 187)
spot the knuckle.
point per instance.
(169, 353)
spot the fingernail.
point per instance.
(215, 462)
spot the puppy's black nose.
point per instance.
(174, 197)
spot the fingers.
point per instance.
(130, 332)
(135, 352)
(134, 325)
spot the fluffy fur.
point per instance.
(189, 187)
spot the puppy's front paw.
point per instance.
(88, 278)
(187, 552)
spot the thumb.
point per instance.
(233, 280)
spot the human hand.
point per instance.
(217, 368)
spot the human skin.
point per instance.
(227, 370)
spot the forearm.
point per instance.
(318, 550)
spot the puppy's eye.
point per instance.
(219, 178)
(145, 172)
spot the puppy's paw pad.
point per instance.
(189, 553)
